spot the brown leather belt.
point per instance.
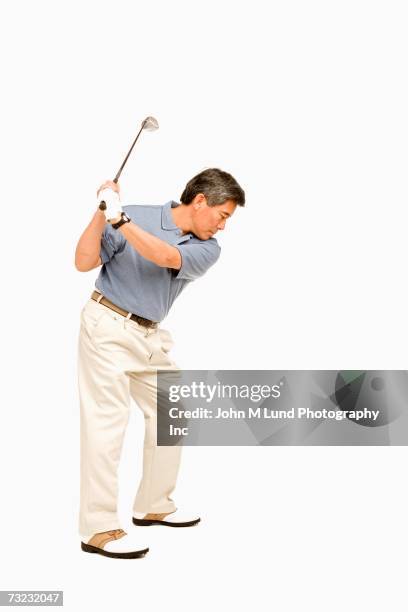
(141, 320)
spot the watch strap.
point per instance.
(123, 219)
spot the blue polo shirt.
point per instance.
(139, 285)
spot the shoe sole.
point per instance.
(147, 522)
(134, 554)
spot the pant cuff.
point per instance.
(156, 510)
(99, 528)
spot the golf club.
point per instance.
(149, 124)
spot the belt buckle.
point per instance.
(139, 320)
(145, 322)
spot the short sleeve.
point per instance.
(111, 242)
(196, 258)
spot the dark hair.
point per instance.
(217, 186)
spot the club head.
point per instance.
(150, 124)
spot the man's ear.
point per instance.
(200, 201)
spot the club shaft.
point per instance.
(115, 180)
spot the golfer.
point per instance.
(148, 254)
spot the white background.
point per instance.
(305, 103)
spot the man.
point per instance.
(149, 254)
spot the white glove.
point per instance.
(113, 208)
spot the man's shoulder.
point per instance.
(210, 243)
(141, 213)
(128, 208)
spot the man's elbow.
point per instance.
(172, 259)
(85, 266)
(81, 268)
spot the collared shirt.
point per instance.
(140, 286)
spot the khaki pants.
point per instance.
(118, 359)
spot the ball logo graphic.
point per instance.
(386, 391)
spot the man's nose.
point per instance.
(221, 225)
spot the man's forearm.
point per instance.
(89, 244)
(149, 246)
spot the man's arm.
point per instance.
(87, 253)
(150, 247)
(88, 250)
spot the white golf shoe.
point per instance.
(170, 519)
(115, 543)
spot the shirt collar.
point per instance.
(168, 223)
(167, 218)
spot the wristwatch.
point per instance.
(123, 219)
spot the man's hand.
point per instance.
(108, 192)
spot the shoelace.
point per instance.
(115, 532)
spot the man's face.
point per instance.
(207, 220)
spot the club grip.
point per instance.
(102, 204)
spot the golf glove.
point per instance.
(113, 208)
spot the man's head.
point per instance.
(213, 195)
